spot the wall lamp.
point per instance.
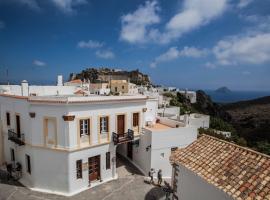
(148, 147)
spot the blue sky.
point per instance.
(200, 44)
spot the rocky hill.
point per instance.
(249, 121)
(107, 74)
(252, 121)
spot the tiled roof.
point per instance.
(240, 172)
(75, 81)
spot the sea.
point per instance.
(234, 96)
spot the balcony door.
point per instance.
(120, 124)
(50, 132)
(18, 125)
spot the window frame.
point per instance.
(104, 124)
(8, 119)
(79, 174)
(84, 130)
(137, 120)
(28, 163)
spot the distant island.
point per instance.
(223, 90)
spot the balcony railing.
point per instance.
(17, 138)
(119, 138)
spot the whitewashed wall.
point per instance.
(163, 141)
(199, 120)
(190, 187)
(151, 113)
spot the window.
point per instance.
(135, 119)
(115, 88)
(104, 124)
(108, 160)
(173, 149)
(79, 168)
(84, 127)
(28, 164)
(12, 155)
(123, 87)
(8, 118)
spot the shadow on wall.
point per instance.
(155, 193)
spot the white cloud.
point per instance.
(67, 6)
(2, 25)
(249, 49)
(244, 3)
(39, 63)
(195, 13)
(91, 44)
(173, 53)
(105, 54)
(135, 25)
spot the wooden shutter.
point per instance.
(107, 123)
(108, 160)
(88, 125)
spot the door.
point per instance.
(18, 126)
(94, 168)
(120, 124)
(129, 150)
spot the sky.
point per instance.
(195, 44)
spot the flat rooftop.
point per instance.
(79, 99)
(158, 127)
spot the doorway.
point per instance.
(94, 168)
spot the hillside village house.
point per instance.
(213, 169)
(66, 143)
(123, 87)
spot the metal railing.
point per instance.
(15, 137)
(119, 138)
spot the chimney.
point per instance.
(25, 88)
(59, 80)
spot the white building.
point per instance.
(99, 88)
(66, 143)
(191, 95)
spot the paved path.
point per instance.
(129, 186)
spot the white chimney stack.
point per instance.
(59, 80)
(25, 88)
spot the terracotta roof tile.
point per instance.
(240, 172)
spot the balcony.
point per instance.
(17, 138)
(119, 138)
